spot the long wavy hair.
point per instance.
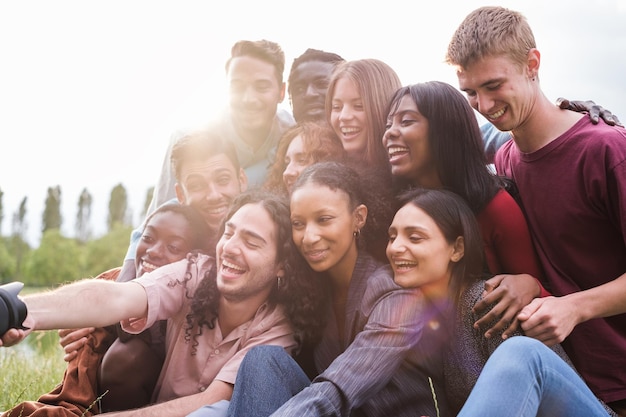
(300, 292)
(377, 82)
(455, 141)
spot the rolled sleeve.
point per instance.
(169, 290)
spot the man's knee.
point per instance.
(265, 357)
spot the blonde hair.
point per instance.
(377, 82)
(491, 31)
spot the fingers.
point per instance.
(69, 357)
(562, 103)
(75, 346)
(65, 332)
(544, 332)
(72, 340)
(499, 318)
(529, 310)
(594, 113)
(490, 295)
(502, 325)
(493, 283)
(510, 331)
(68, 336)
(609, 118)
(12, 337)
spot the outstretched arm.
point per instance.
(86, 303)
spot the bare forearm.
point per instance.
(552, 319)
(217, 391)
(602, 301)
(86, 303)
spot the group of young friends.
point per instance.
(362, 257)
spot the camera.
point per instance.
(12, 309)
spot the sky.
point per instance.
(90, 92)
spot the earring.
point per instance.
(279, 281)
(357, 233)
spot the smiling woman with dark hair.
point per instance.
(435, 245)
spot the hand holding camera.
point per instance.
(12, 314)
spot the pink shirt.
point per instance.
(190, 368)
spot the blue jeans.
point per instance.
(267, 378)
(522, 378)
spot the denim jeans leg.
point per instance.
(523, 377)
(268, 376)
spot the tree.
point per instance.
(57, 260)
(83, 218)
(106, 252)
(7, 262)
(19, 247)
(118, 207)
(51, 219)
(2, 210)
(147, 202)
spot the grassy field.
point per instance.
(30, 369)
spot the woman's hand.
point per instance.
(72, 340)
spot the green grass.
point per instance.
(31, 368)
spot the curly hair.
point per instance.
(362, 186)
(301, 293)
(320, 143)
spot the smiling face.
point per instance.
(307, 88)
(254, 95)
(166, 238)
(210, 186)
(419, 253)
(296, 160)
(501, 90)
(407, 143)
(247, 257)
(323, 226)
(348, 118)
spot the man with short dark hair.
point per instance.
(308, 82)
